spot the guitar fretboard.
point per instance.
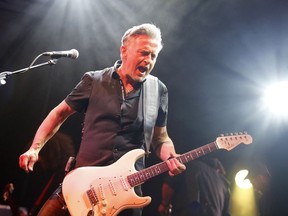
(141, 176)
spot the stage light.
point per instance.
(242, 196)
(241, 180)
(276, 98)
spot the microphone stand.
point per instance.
(3, 75)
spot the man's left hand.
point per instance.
(175, 167)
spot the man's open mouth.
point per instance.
(142, 69)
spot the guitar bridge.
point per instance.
(92, 196)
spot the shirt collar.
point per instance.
(117, 64)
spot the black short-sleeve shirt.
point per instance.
(112, 124)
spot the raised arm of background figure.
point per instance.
(47, 129)
(164, 149)
(167, 194)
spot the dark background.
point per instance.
(217, 59)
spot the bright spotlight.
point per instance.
(241, 181)
(243, 197)
(276, 98)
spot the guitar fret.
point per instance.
(131, 180)
(194, 155)
(141, 177)
(187, 158)
(136, 178)
(147, 174)
(190, 157)
(209, 148)
(151, 171)
(157, 170)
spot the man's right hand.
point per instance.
(28, 159)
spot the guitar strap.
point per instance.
(148, 106)
(150, 98)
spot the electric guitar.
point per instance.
(107, 190)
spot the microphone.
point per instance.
(73, 53)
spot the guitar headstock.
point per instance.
(230, 141)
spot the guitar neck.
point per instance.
(142, 176)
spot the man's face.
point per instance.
(139, 56)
